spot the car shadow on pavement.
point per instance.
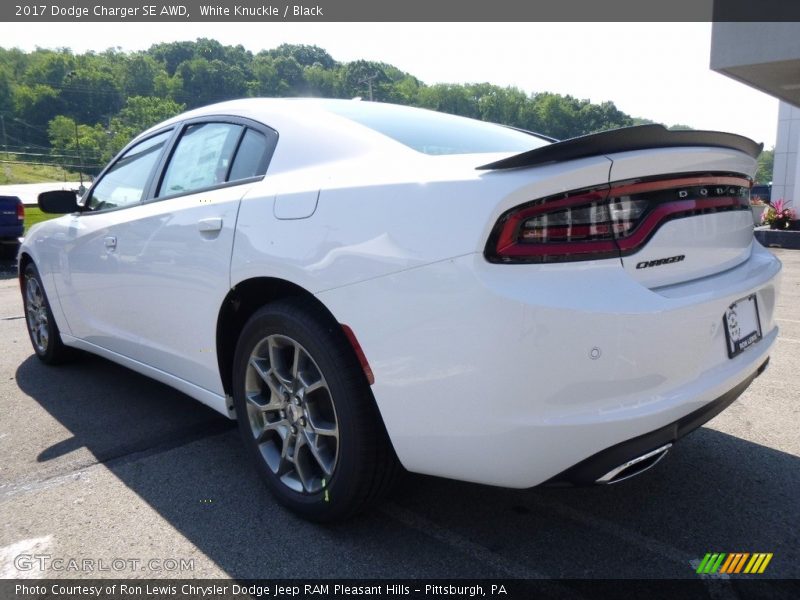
(713, 493)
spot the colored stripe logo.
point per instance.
(735, 562)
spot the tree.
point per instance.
(89, 95)
(266, 81)
(766, 165)
(448, 98)
(556, 115)
(172, 54)
(289, 75)
(306, 56)
(46, 67)
(34, 106)
(319, 81)
(599, 117)
(138, 114)
(206, 82)
(84, 145)
(359, 77)
(6, 95)
(139, 75)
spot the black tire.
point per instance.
(50, 349)
(363, 465)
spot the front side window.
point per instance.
(201, 159)
(124, 183)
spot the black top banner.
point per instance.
(401, 11)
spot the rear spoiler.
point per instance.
(640, 137)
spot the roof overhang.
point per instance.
(765, 56)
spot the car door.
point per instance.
(89, 269)
(168, 258)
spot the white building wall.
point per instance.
(787, 156)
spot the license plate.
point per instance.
(742, 325)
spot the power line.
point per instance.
(45, 164)
(73, 156)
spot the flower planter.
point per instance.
(757, 209)
(778, 215)
(783, 224)
(779, 238)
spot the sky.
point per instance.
(658, 71)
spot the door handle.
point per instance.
(110, 242)
(209, 225)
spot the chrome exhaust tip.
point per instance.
(633, 467)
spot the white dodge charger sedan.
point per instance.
(365, 286)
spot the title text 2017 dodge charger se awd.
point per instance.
(361, 284)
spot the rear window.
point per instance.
(433, 132)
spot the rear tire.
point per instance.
(307, 416)
(42, 328)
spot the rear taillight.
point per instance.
(607, 222)
(20, 211)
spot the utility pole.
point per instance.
(80, 155)
(368, 80)
(5, 141)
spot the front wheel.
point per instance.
(307, 415)
(42, 328)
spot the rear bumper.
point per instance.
(11, 233)
(512, 374)
(597, 468)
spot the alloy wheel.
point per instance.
(36, 314)
(291, 413)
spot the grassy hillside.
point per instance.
(12, 173)
(33, 215)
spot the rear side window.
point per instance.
(251, 157)
(201, 158)
(123, 184)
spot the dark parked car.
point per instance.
(762, 190)
(12, 225)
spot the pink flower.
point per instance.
(778, 211)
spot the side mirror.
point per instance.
(58, 202)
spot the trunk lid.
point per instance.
(700, 221)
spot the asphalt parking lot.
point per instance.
(101, 463)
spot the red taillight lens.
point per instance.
(20, 212)
(607, 222)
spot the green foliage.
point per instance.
(139, 74)
(208, 81)
(142, 112)
(766, 163)
(82, 108)
(138, 114)
(33, 216)
(87, 145)
(306, 56)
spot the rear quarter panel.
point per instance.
(373, 218)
